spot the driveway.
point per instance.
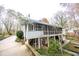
(8, 47)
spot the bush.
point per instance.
(54, 48)
(19, 34)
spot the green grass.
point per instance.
(42, 51)
(66, 54)
(71, 38)
(3, 37)
(53, 50)
(72, 47)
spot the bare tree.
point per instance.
(72, 9)
(21, 18)
(8, 21)
(23, 21)
(60, 20)
(1, 12)
(8, 25)
(9, 17)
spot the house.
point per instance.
(72, 32)
(37, 33)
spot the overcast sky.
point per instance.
(37, 8)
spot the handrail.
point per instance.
(34, 52)
(52, 32)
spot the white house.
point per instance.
(37, 33)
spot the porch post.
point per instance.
(39, 43)
(35, 43)
(26, 32)
(27, 41)
(33, 27)
(48, 41)
(27, 28)
(54, 38)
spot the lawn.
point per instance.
(72, 47)
(3, 37)
(53, 50)
(73, 38)
(44, 52)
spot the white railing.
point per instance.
(38, 34)
(52, 32)
(33, 34)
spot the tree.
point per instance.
(21, 18)
(72, 9)
(11, 18)
(2, 9)
(8, 21)
(23, 21)
(54, 48)
(60, 20)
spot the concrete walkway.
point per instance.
(8, 47)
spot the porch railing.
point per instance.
(51, 32)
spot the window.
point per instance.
(30, 27)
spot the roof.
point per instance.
(36, 21)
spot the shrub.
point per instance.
(19, 34)
(54, 48)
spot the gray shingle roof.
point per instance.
(36, 21)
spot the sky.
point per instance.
(36, 8)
